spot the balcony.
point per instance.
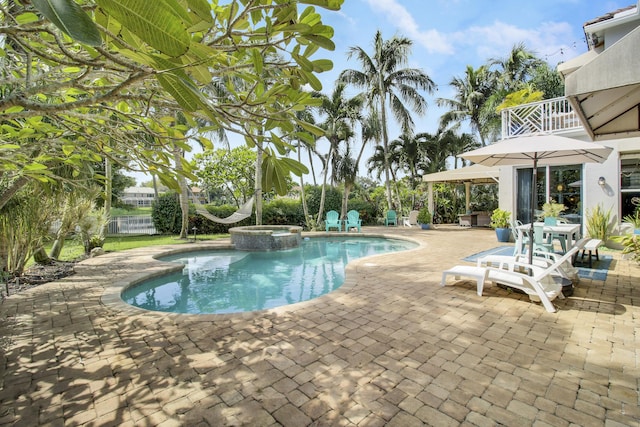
(547, 116)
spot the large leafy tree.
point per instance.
(389, 87)
(228, 170)
(75, 71)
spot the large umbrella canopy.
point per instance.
(538, 150)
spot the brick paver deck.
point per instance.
(390, 347)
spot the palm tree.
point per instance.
(346, 173)
(472, 92)
(385, 83)
(339, 114)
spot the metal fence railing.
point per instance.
(132, 224)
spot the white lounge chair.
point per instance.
(540, 283)
(542, 259)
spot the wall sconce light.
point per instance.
(602, 182)
(560, 188)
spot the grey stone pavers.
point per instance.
(390, 347)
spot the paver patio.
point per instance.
(390, 347)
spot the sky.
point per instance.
(448, 35)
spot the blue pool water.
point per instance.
(233, 281)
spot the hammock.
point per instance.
(242, 213)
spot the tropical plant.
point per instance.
(424, 216)
(385, 83)
(551, 209)
(500, 218)
(630, 245)
(634, 218)
(599, 223)
(338, 114)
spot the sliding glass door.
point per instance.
(562, 184)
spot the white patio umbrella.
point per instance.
(538, 150)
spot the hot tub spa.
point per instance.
(266, 237)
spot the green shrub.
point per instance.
(424, 216)
(166, 214)
(283, 212)
(332, 200)
(367, 210)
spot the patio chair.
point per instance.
(332, 221)
(539, 283)
(543, 259)
(412, 219)
(540, 241)
(353, 221)
(391, 218)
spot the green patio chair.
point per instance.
(391, 219)
(353, 221)
(332, 221)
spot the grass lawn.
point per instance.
(73, 249)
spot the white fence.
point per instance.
(132, 224)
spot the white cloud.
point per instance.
(547, 40)
(432, 40)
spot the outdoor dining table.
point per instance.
(571, 232)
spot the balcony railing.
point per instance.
(551, 115)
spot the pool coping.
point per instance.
(143, 264)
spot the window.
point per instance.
(629, 183)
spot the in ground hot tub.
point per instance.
(266, 237)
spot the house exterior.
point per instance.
(602, 104)
(140, 197)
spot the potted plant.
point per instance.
(634, 220)
(551, 212)
(424, 218)
(500, 220)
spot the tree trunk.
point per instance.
(305, 209)
(184, 196)
(385, 147)
(108, 190)
(40, 256)
(258, 183)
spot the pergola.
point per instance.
(474, 174)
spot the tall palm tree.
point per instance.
(338, 116)
(387, 84)
(471, 94)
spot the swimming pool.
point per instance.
(232, 281)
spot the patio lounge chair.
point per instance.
(412, 219)
(391, 219)
(543, 259)
(353, 221)
(542, 284)
(332, 221)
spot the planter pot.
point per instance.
(551, 220)
(503, 234)
(636, 231)
(425, 226)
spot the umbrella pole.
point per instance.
(533, 204)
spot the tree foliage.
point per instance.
(84, 79)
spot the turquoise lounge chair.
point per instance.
(391, 219)
(353, 221)
(332, 221)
